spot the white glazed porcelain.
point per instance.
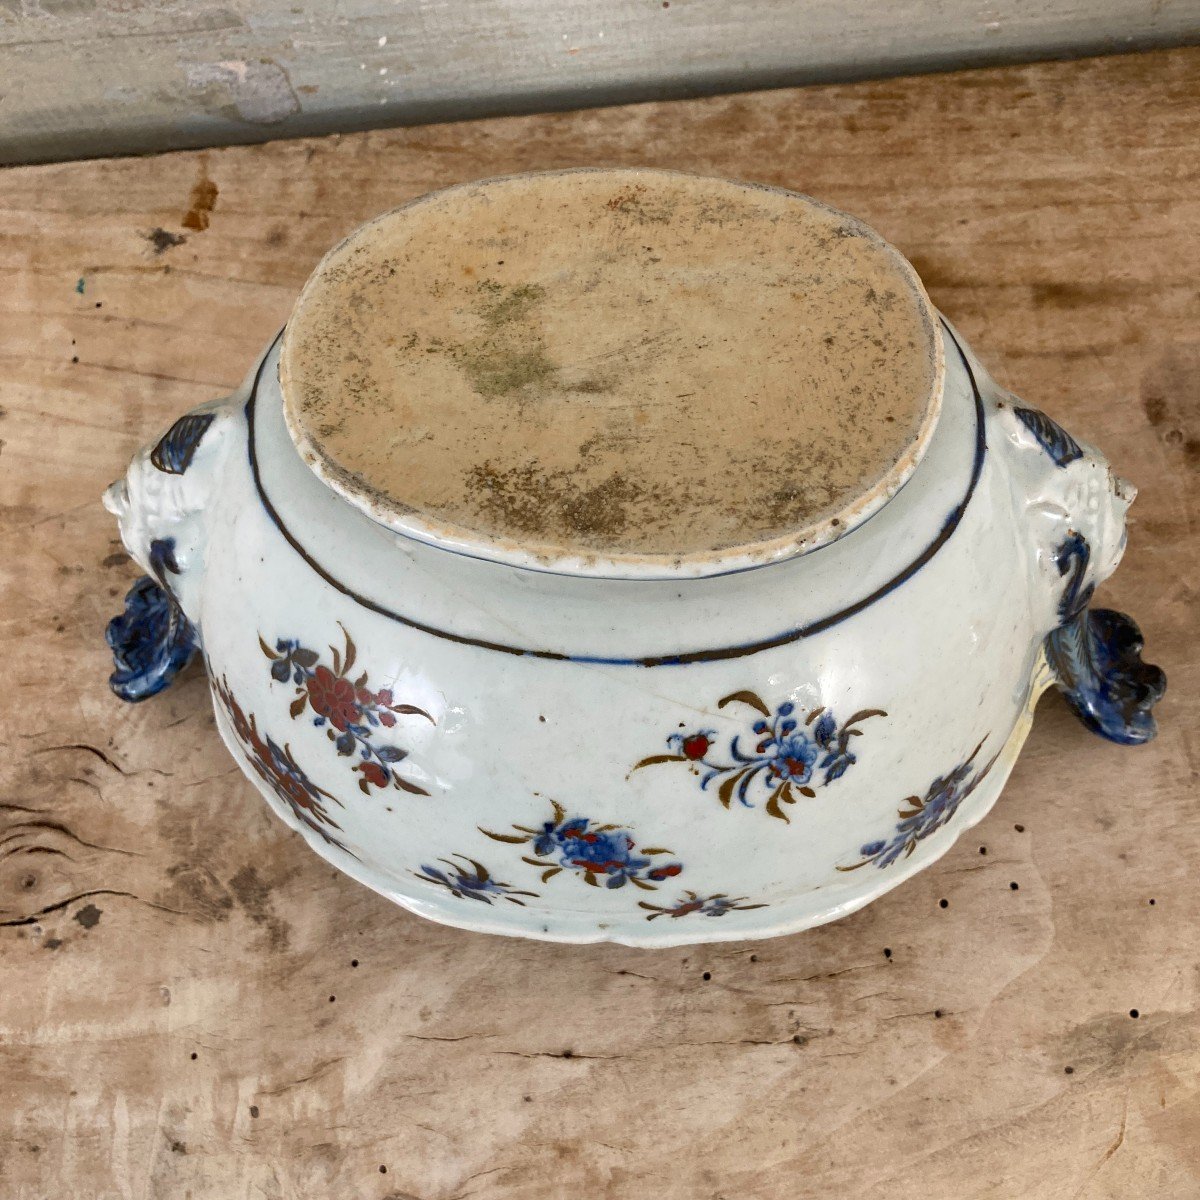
(647, 761)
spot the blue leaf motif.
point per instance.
(1051, 436)
(838, 768)
(178, 445)
(151, 642)
(1097, 658)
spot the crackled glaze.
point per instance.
(654, 759)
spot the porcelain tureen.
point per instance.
(626, 555)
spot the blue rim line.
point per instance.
(665, 660)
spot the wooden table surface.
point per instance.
(194, 1005)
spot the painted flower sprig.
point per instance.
(716, 905)
(468, 879)
(787, 753)
(277, 767)
(921, 816)
(597, 852)
(349, 710)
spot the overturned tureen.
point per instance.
(626, 555)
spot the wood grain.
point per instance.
(193, 1005)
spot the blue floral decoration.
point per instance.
(597, 852)
(716, 905)
(922, 816)
(471, 881)
(151, 641)
(1071, 559)
(787, 756)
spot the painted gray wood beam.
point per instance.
(85, 78)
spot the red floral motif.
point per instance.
(348, 709)
(373, 773)
(278, 768)
(333, 696)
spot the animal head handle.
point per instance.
(1077, 505)
(159, 507)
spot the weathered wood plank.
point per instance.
(83, 78)
(193, 1005)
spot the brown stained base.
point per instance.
(621, 363)
(169, 951)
